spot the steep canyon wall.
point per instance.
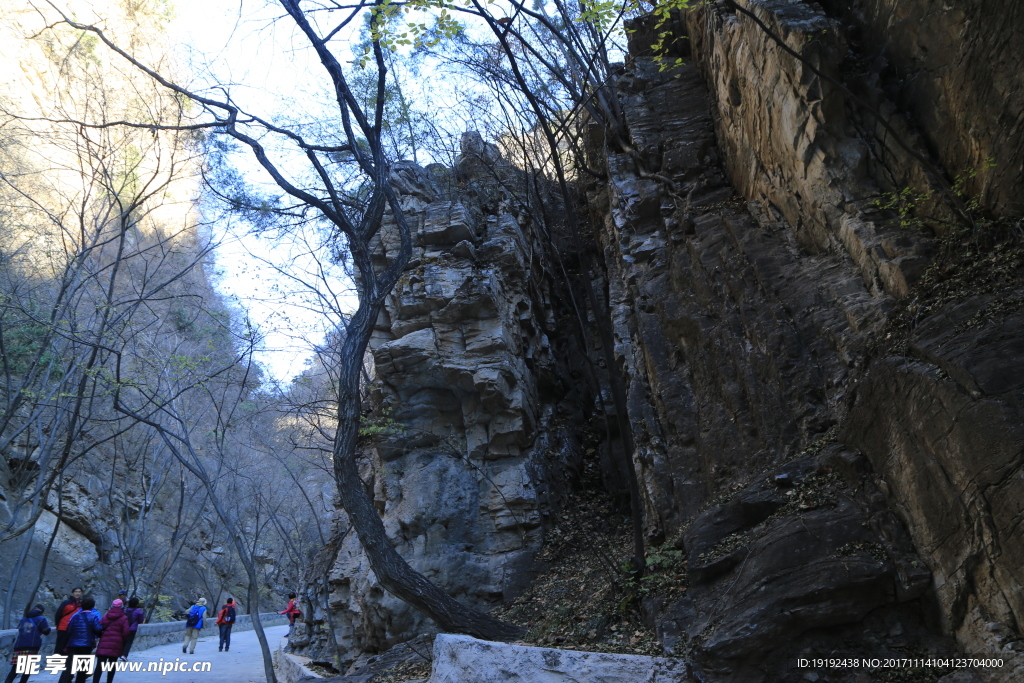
(755, 304)
(826, 402)
(118, 512)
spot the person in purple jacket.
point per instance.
(30, 638)
(135, 616)
(116, 628)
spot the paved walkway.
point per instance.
(242, 664)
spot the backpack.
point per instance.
(28, 629)
(226, 616)
(29, 634)
(193, 618)
(66, 611)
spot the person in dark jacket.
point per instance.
(82, 631)
(135, 617)
(115, 627)
(66, 610)
(31, 630)
(225, 620)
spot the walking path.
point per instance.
(242, 664)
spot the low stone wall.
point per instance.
(150, 635)
(292, 668)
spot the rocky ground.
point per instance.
(585, 600)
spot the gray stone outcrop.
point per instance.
(461, 659)
(456, 359)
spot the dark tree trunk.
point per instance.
(401, 580)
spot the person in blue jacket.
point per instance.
(193, 625)
(31, 630)
(82, 631)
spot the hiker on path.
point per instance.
(193, 625)
(66, 610)
(31, 630)
(135, 616)
(225, 620)
(116, 627)
(82, 631)
(293, 612)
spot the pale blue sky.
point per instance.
(229, 41)
(271, 72)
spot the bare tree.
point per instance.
(88, 262)
(353, 205)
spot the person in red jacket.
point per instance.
(293, 612)
(67, 609)
(225, 620)
(116, 627)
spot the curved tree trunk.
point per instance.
(49, 547)
(363, 136)
(15, 576)
(401, 580)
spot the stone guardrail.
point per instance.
(291, 668)
(149, 635)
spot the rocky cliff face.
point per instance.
(469, 386)
(758, 335)
(741, 336)
(952, 66)
(826, 397)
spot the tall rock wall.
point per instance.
(741, 342)
(825, 395)
(757, 299)
(955, 67)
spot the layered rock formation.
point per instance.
(827, 418)
(755, 330)
(463, 376)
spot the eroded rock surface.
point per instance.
(952, 66)
(834, 489)
(944, 430)
(458, 357)
(751, 292)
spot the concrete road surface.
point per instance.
(242, 664)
